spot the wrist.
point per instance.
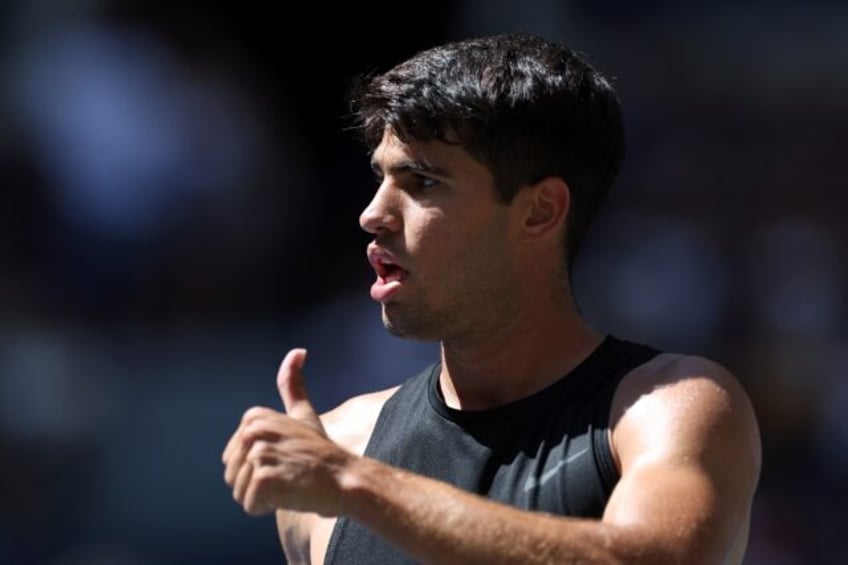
(356, 479)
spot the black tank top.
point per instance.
(547, 452)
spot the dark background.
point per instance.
(179, 207)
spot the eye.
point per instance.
(422, 182)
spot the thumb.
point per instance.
(293, 390)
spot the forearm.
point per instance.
(437, 523)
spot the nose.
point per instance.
(382, 213)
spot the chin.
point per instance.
(398, 330)
(407, 329)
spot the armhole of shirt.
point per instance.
(607, 467)
(386, 411)
(602, 431)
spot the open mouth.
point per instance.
(389, 271)
(390, 274)
(385, 265)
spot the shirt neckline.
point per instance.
(578, 374)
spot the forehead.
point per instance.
(427, 156)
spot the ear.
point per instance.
(546, 207)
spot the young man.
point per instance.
(534, 439)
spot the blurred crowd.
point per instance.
(179, 204)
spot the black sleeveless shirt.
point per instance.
(547, 452)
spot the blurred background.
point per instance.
(179, 197)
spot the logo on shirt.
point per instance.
(532, 482)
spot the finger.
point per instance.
(246, 438)
(258, 452)
(263, 429)
(250, 415)
(242, 481)
(293, 389)
(255, 502)
(234, 465)
(234, 455)
(236, 458)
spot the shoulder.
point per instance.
(680, 382)
(670, 374)
(685, 404)
(350, 424)
(685, 438)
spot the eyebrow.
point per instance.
(409, 166)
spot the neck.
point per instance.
(522, 357)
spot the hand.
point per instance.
(285, 461)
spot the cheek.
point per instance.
(426, 232)
(450, 248)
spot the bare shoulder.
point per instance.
(687, 404)
(687, 445)
(350, 424)
(684, 381)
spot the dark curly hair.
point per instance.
(524, 107)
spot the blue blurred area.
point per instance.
(179, 208)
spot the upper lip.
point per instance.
(381, 258)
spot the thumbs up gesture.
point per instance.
(293, 389)
(285, 461)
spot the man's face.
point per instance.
(442, 247)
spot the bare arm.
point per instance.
(438, 523)
(688, 450)
(689, 454)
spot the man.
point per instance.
(535, 439)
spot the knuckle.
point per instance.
(253, 413)
(252, 427)
(258, 449)
(264, 476)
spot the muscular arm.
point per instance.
(689, 455)
(438, 523)
(688, 450)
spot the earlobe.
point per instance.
(548, 205)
